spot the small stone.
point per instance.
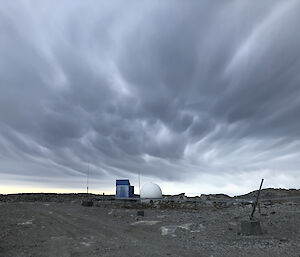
(283, 239)
(140, 213)
(86, 203)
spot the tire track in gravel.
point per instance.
(71, 224)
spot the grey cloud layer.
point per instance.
(170, 88)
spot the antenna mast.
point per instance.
(140, 183)
(87, 179)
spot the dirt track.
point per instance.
(66, 229)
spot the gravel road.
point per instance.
(39, 229)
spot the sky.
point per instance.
(196, 96)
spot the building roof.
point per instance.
(122, 182)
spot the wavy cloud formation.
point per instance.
(198, 96)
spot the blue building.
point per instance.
(124, 189)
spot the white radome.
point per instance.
(150, 191)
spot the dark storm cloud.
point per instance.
(169, 89)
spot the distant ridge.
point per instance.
(272, 193)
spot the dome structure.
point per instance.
(150, 191)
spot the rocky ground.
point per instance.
(44, 228)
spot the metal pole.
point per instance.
(140, 183)
(256, 200)
(87, 179)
